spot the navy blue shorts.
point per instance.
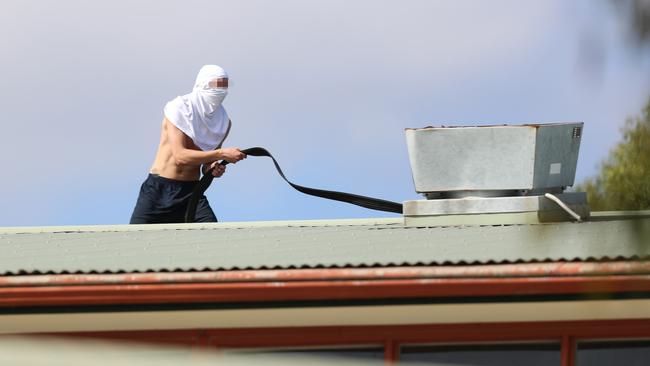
(163, 201)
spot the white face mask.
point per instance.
(200, 114)
(212, 97)
(209, 95)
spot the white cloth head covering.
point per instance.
(200, 114)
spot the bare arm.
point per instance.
(184, 155)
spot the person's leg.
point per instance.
(203, 211)
(144, 206)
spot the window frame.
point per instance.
(392, 337)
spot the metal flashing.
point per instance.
(201, 226)
(331, 244)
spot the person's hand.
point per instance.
(217, 169)
(232, 154)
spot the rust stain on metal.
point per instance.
(327, 284)
(317, 290)
(554, 269)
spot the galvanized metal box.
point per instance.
(507, 157)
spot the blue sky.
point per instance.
(327, 86)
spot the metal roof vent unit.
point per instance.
(509, 174)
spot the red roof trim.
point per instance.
(550, 269)
(380, 334)
(326, 284)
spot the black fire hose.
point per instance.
(367, 202)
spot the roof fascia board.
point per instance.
(176, 293)
(520, 270)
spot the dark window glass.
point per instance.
(485, 354)
(600, 353)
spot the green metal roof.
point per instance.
(309, 244)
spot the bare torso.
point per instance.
(165, 164)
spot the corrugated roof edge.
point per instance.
(518, 270)
(203, 226)
(208, 269)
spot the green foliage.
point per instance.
(624, 179)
